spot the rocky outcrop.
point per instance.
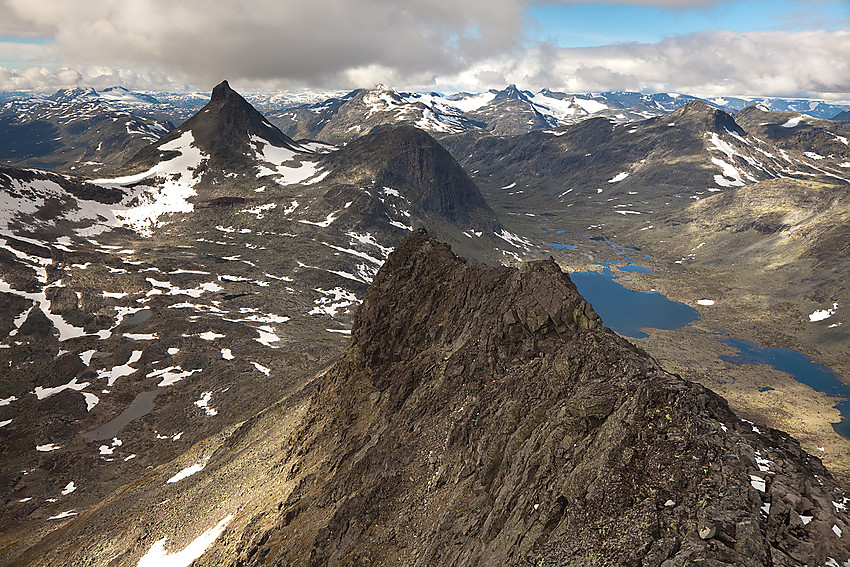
(485, 416)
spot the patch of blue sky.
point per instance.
(19, 52)
(27, 40)
(586, 24)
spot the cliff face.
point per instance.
(408, 159)
(485, 416)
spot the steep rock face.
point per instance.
(223, 130)
(485, 416)
(406, 157)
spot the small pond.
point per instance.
(141, 405)
(136, 318)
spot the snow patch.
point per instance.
(187, 472)
(91, 400)
(334, 300)
(325, 223)
(757, 482)
(822, 314)
(171, 375)
(158, 557)
(264, 369)
(514, 239)
(63, 515)
(42, 393)
(204, 403)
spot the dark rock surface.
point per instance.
(410, 160)
(223, 129)
(485, 416)
(824, 137)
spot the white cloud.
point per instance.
(811, 63)
(435, 44)
(313, 41)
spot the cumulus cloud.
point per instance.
(315, 41)
(433, 44)
(51, 79)
(806, 64)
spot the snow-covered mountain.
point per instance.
(116, 95)
(74, 133)
(345, 118)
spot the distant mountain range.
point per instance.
(227, 319)
(88, 131)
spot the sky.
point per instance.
(703, 47)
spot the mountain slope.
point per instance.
(77, 134)
(822, 146)
(409, 157)
(638, 168)
(481, 416)
(791, 236)
(144, 314)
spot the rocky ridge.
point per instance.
(485, 416)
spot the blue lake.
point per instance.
(635, 269)
(627, 311)
(802, 368)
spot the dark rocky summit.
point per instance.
(223, 129)
(408, 159)
(485, 416)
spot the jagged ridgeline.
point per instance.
(484, 416)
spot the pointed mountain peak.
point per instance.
(704, 116)
(227, 130)
(228, 118)
(222, 91)
(511, 92)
